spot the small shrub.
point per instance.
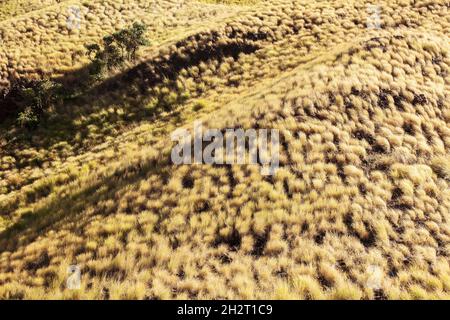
(118, 48)
(28, 119)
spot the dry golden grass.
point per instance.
(49, 41)
(13, 8)
(362, 195)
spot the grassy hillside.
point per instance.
(363, 185)
(13, 8)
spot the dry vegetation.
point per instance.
(365, 159)
(13, 8)
(43, 43)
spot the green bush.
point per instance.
(28, 119)
(32, 98)
(199, 105)
(118, 48)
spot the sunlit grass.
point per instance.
(362, 191)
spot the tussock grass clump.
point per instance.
(51, 41)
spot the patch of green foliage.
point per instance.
(29, 100)
(32, 99)
(118, 48)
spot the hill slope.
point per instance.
(362, 194)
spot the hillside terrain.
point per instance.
(363, 190)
